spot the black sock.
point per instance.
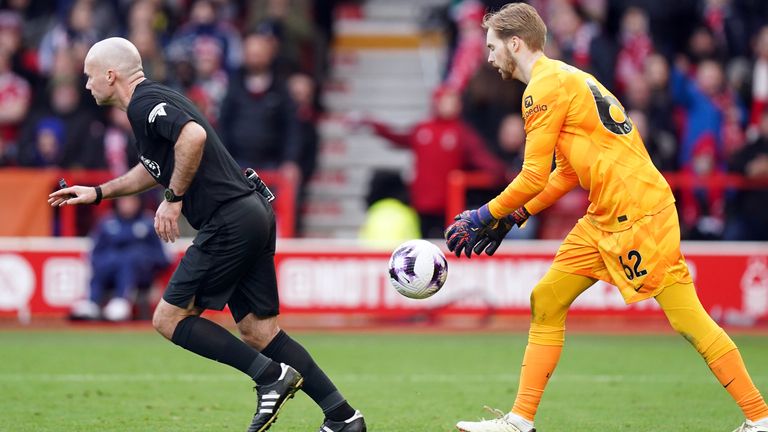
(317, 385)
(341, 412)
(212, 341)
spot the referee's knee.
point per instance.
(258, 333)
(166, 317)
(162, 324)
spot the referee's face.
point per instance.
(97, 83)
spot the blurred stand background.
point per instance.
(319, 96)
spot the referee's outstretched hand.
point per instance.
(167, 221)
(72, 195)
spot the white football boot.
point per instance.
(750, 426)
(509, 422)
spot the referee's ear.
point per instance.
(111, 77)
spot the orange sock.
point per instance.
(732, 374)
(538, 365)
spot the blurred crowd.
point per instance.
(251, 66)
(693, 74)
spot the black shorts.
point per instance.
(231, 262)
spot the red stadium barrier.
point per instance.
(43, 276)
(284, 186)
(68, 215)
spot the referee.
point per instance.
(231, 260)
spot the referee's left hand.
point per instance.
(72, 195)
(167, 221)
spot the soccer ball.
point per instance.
(417, 269)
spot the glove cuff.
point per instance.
(519, 217)
(484, 216)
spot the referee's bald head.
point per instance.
(113, 67)
(115, 53)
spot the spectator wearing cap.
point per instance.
(48, 144)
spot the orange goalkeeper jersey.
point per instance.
(568, 113)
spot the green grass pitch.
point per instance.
(115, 381)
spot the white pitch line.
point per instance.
(116, 377)
(373, 378)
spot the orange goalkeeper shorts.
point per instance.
(640, 260)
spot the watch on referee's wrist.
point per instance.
(170, 196)
(99, 195)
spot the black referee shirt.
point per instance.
(157, 115)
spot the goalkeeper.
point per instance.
(630, 236)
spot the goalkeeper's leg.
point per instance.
(550, 301)
(686, 315)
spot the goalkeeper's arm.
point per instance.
(560, 183)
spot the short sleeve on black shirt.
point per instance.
(164, 119)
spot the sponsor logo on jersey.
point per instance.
(158, 110)
(535, 110)
(151, 166)
(528, 101)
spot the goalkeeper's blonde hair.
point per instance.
(521, 20)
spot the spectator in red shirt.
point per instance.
(635, 47)
(15, 98)
(760, 77)
(211, 80)
(470, 46)
(440, 144)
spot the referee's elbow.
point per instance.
(194, 132)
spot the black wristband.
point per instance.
(99, 195)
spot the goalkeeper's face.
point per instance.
(500, 56)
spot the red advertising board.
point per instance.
(45, 275)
